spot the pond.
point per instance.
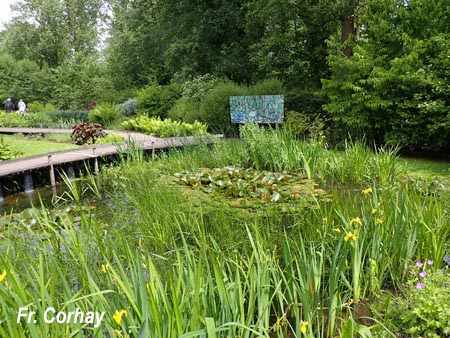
(24, 200)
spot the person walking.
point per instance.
(9, 106)
(22, 107)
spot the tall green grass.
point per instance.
(181, 267)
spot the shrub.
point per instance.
(68, 115)
(6, 153)
(38, 107)
(111, 138)
(267, 87)
(12, 119)
(425, 309)
(128, 108)
(156, 100)
(215, 108)
(105, 114)
(26, 120)
(185, 110)
(164, 128)
(87, 133)
(304, 125)
(37, 118)
(197, 88)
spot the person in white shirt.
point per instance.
(22, 107)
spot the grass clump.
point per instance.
(164, 128)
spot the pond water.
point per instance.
(21, 201)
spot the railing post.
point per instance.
(52, 175)
(95, 160)
(28, 182)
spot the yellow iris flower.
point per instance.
(303, 327)
(366, 192)
(117, 316)
(350, 235)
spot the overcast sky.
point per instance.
(5, 12)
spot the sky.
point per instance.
(5, 12)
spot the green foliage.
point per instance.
(87, 133)
(156, 100)
(39, 107)
(208, 101)
(267, 87)
(391, 88)
(197, 88)
(215, 108)
(254, 189)
(6, 153)
(12, 119)
(105, 114)
(78, 82)
(59, 30)
(128, 107)
(424, 309)
(23, 79)
(185, 110)
(302, 125)
(110, 138)
(68, 115)
(26, 120)
(164, 128)
(214, 268)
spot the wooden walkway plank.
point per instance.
(68, 156)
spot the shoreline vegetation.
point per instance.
(265, 237)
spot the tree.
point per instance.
(52, 32)
(393, 88)
(288, 39)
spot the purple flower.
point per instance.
(419, 264)
(420, 286)
(411, 272)
(423, 274)
(430, 262)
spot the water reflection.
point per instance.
(24, 200)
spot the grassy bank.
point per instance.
(308, 243)
(36, 145)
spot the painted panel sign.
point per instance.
(258, 109)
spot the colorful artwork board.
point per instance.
(257, 109)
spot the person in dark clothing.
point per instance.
(9, 106)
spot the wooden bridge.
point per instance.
(27, 165)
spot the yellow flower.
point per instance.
(379, 221)
(2, 276)
(374, 211)
(356, 220)
(105, 268)
(117, 332)
(350, 235)
(304, 326)
(325, 220)
(337, 230)
(117, 316)
(366, 192)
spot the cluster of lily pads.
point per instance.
(240, 184)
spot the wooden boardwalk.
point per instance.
(146, 142)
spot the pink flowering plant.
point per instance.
(424, 309)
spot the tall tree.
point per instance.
(288, 39)
(393, 86)
(53, 31)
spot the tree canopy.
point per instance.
(378, 68)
